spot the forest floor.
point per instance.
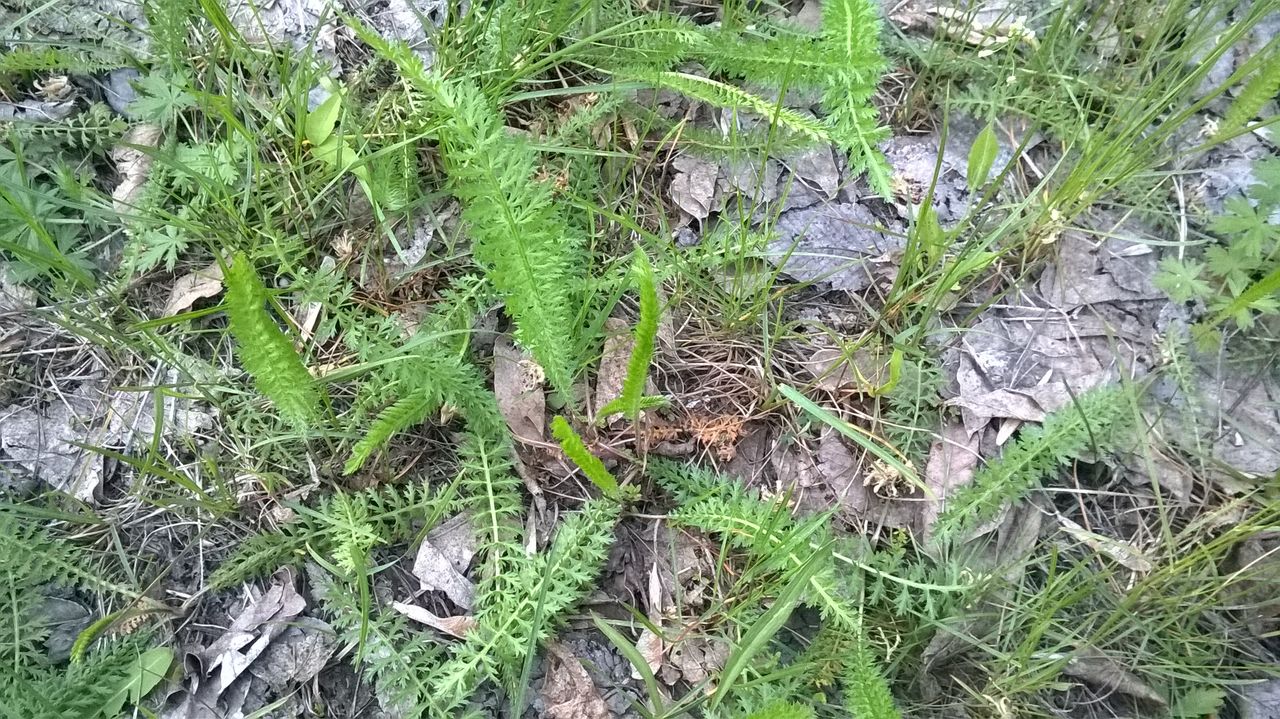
(984, 411)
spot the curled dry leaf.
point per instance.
(441, 560)
(652, 648)
(694, 187)
(699, 659)
(193, 286)
(133, 164)
(517, 382)
(1100, 670)
(458, 626)
(1124, 553)
(568, 691)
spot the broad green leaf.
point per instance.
(145, 672)
(321, 121)
(929, 234)
(982, 156)
(339, 153)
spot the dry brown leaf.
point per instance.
(694, 187)
(618, 344)
(865, 370)
(1096, 668)
(718, 432)
(254, 629)
(458, 626)
(193, 286)
(133, 165)
(517, 382)
(568, 691)
(437, 564)
(652, 648)
(699, 659)
(952, 461)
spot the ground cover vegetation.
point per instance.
(609, 358)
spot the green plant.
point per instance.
(264, 350)
(1089, 424)
(107, 676)
(782, 549)
(1247, 253)
(336, 529)
(590, 464)
(633, 400)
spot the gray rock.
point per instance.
(1260, 701)
(119, 91)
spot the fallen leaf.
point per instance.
(1261, 700)
(749, 178)
(456, 539)
(568, 690)
(1126, 554)
(817, 169)
(298, 654)
(652, 649)
(253, 629)
(1095, 667)
(458, 626)
(952, 461)
(693, 188)
(699, 659)
(40, 440)
(612, 374)
(193, 286)
(133, 165)
(832, 244)
(517, 382)
(863, 370)
(436, 566)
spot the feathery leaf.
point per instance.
(264, 350)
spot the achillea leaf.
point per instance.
(264, 350)
(866, 693)
(590, 464)
(1260, 89)
(1087, 424)
(632, 400)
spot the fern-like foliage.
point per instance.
(33, 558)
(783, 710)
(1089, 424)
(74, 692)
(632, 400)
(520, 237)
(46, 58)
(439, 379)
(511, 624)
(866, 693)
(780, 545)
(1257, 92)
(843, 61)
(577, 451)
(339, 527)
(264, 350)
(721, 94)
(398, 662)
